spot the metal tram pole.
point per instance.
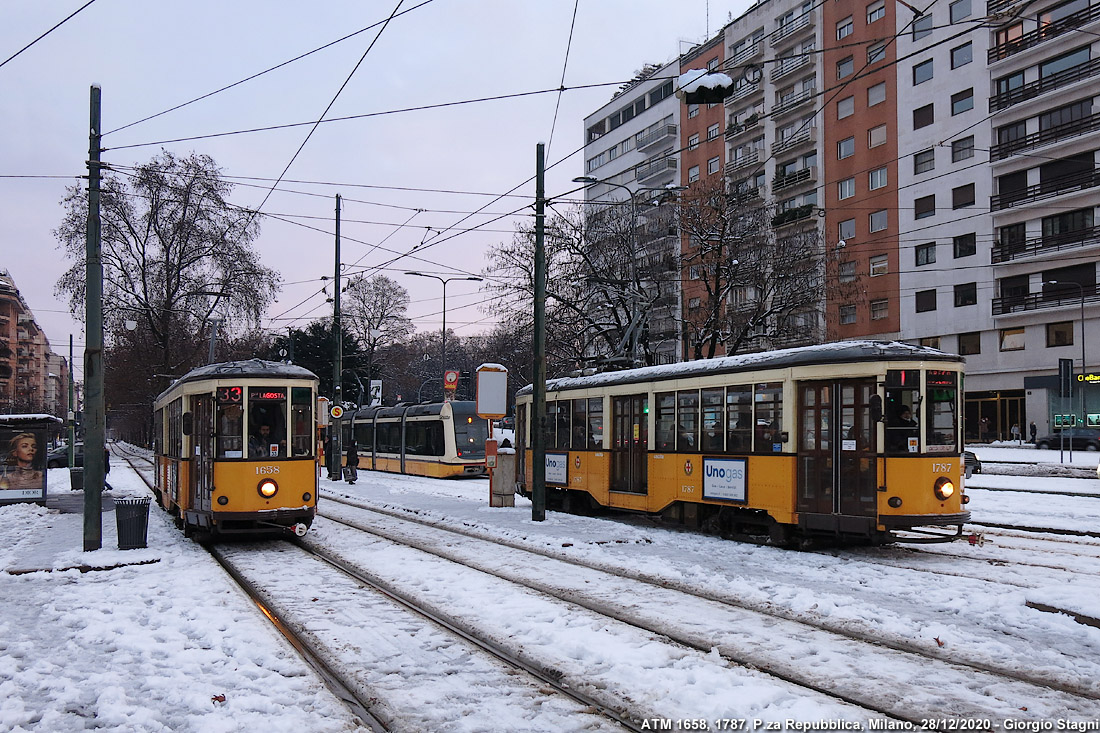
(95, 426)
(335, 440)
(443, 280)
(1081, 386)
(538, 403)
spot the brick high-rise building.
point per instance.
(32, 378)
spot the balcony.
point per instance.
(661, 134)
(1045, 190)
(787, 65)
(995, 6)
(1046, 32)
(743, 91)
(1004, 100)
(793, 102)
(745, 55)
(803, 137)
(805, 175)
(789, 30)
(655, 168)
(751, 122)
(791, 216)
(1044, 137)
(1046, 245)
(1038, 301)
(751, 158)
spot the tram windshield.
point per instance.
(266, 422)
(942, 419)
(470, 436)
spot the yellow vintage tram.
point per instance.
(850, 441)
(236, 449)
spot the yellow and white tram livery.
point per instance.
(236, 449)
(852, 441)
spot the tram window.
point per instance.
(595, 422)
(174, 441)
(769, 417)
(417, 442)
(563, 424)
(579, 421)
(389, 437)
(902, 394)
(301, 421)
(666, 421)
(713, 406)
(687, 421)
(942, 418)
(436, 444)
(550, 439)
(739, 418)
(230, 433)
(266, 422)
(364, 437)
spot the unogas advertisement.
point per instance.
(22, 464)
(724, 478)
(557, 468)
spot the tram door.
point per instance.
(202, 451)
(837, 471)
(629, 443)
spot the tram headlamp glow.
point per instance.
(267, 488)
(944, 488)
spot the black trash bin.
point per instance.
(76, 479)
(132, 521)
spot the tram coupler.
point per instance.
(976, 539)
(300, 529)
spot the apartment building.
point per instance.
(32, 378)
(632, 154)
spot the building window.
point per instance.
(1060, 334)
(932, 342)
(846, 271)
(876, 136)
(694, 303)
(847, 314)
(926, 300)
(1012, 339)
(962, 55)
(924, 161)
(965, 245)
(962, 148)
(962, 102)
(713, 165)
(844, 67)
(1064, 62)
(876, 11)
(922, 72)
(846, 148)
(693, 272)
(876, 94)
(922, 26)
(845, 108)
(876, 52)
(962, 196)
(877, 178)
(693, 141)
(844, 28)
(966, 294)
(923, 116)
(880, 309)
(846, 189)
(693, 174)
(924, 206)
(712, 131)
(960, 9)
(878, 220)
(925, 254)
(970, 343)
(846, 229)
(880, 265)
(693, 110)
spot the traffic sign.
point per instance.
(336, 412)
(450, 380)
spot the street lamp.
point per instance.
(1081, 292)
(444, 280)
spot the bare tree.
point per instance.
(374, 310)
(751, 283)
(174, 250)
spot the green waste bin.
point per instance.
(132, 522)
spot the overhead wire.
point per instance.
(564, 68)
(60, 23)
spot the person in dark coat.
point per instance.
(351, 467)
(1033, 431)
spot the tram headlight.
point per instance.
(944, 488)
(267, 488)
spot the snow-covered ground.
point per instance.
(166, 643)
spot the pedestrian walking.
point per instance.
(351, 467)
(1016, 433)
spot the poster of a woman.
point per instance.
(21, 474)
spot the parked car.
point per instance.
(1076, 438)
(971, 463)
(507, 423)
(59, 457)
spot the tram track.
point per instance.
(747, 652)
